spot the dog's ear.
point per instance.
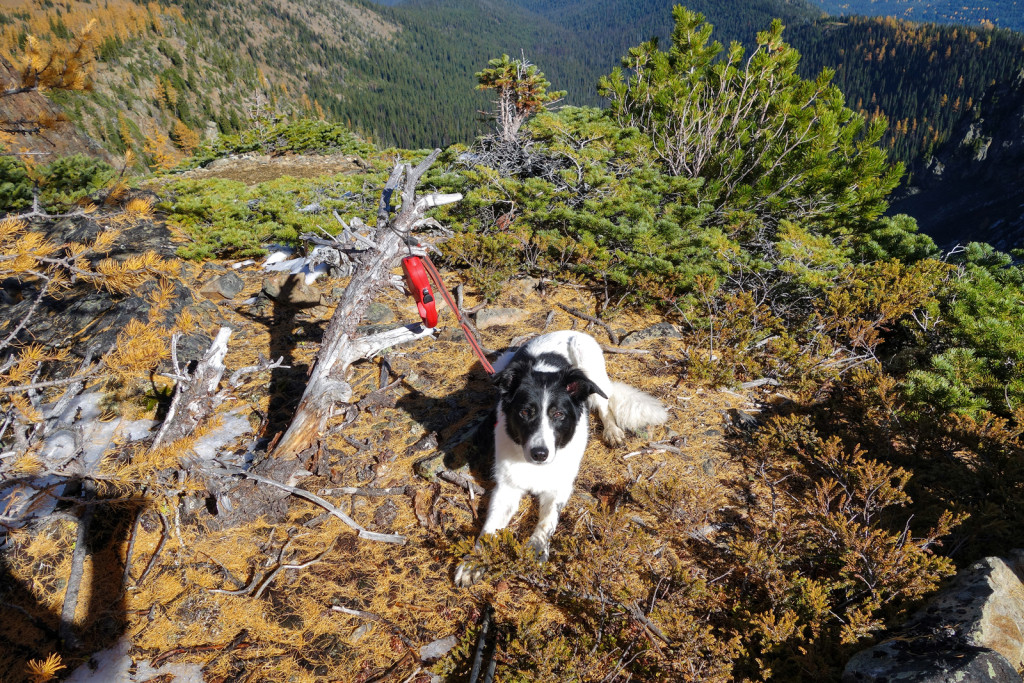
(507, 381)
(580, 386)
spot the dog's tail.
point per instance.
(634, 409)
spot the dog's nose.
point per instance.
(539, 453)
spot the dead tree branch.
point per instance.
(589, 318)
(313, 498)
(196, 395)
(341, 346)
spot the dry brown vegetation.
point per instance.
(290, 628)
(662, 544)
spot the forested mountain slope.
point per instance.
(429, 66)
(1003, 13)
(404, 74)
(924, 78)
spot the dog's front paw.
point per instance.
(540, 548)
(613, 435)
(468, 573)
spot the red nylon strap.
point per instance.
(470, 337)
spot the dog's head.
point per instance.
(543, 405)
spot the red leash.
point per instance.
(416, 279)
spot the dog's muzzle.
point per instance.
(539, 455)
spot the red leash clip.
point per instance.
(418, 283)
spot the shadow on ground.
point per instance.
(32, 589)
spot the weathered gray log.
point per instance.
(341, 346)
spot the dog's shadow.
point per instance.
(463, 421)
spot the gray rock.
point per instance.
(971, 631)
(526, 287)
(493, 317)
(437, 649)
(291, 289)
(226, 286)
(452, 334)
(896, 661)
(377, 313)
(659, 331)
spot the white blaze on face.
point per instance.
(544, 434)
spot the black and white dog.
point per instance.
(546, 390)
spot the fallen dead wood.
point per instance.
(239, 642)
(366, 491)
(326, 505)
(196, 395)
(626, 352)
(481, 646)
(591, 319)
(327, 386)
(377, 618)
(463, 481)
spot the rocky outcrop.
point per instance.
(971, 631)
(972, 189)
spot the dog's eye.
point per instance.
(525, 413)
(557, 415)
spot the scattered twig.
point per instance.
(654, 447)
(262, 364)
(247, 589)
(366, 491)
(156, 553)
(631, 352)
(272, 574)
(375, 617)
(414, 674)
(589, 318)
(355, 443)
(239, 642)
(378, 398)
(463, 481)
(313, 498)
(127, 574)
(481, 644)
(547, 322)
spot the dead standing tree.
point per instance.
(328, 388)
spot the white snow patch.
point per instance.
(301, 265)
(78, 425)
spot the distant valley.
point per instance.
(402, 73)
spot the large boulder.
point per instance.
(971, 631)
